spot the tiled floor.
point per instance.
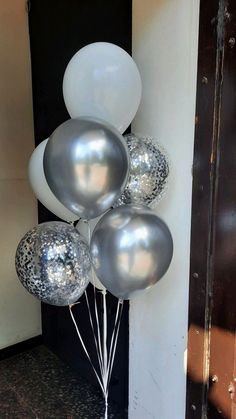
(36, 384)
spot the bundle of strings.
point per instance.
(105, 354)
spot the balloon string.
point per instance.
(114, 328)
(115, 345)
(95, 306)
(97, 342)
(105, 374)
(105, 360)
(106, 406)
(85, 349)
(114, 339)
(98, 327)
(99, 355)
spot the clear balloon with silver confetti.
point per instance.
(53, 263)
(149, 172)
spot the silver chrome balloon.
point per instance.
(86, 164)
(131, 250)
(149, 171)
(53, 263)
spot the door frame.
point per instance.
(208, 334)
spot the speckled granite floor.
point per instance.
(36, 384)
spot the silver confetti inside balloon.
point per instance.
(53, 263)
(131, 249)
(149, 170)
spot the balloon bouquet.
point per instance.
(86, 169)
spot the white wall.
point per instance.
(19, 312)
(165, 35)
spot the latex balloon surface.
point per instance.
(53, 263)
(102, 81)
(86, 165)
(86, 228)
(149, 171)
(40, 186)
(131, 250)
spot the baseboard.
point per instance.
(20, 347)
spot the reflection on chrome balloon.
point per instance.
(131, 250)
(86, 165)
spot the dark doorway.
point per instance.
(212, 310)
(58, 28)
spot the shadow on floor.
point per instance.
(36, 384)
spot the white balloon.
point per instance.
(86, 228)
(103, 81)
(40, 187)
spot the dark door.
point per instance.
(58, 28)
(212, 310)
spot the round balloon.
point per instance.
(131, 250)
(53, 263)
(103, 81)
(149, 171)
(86, 164)
(40, 187)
